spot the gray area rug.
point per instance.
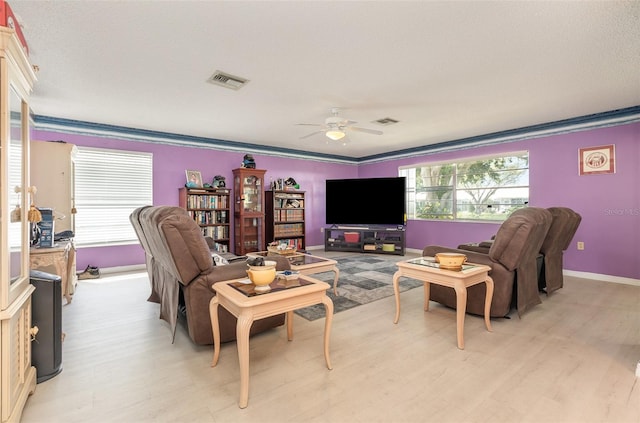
(363, 279)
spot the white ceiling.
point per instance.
(445, 69)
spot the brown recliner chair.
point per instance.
(134, 217)
(563, 227)
(513, 251)
(183, 273)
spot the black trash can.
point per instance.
(46, 314)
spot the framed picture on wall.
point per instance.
(194, 179)
(597, 160)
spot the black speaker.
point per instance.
(46, 314)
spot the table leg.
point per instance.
(396, 292)
(242, 334)
(328, 309)
(427, 295)
(213, 313)
(336, 271)
(487, 303)
(461, 309)
(289, 319)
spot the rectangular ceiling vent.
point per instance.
(227, 80)
(386, 121)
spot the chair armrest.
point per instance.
(229, 271)
(474, 247)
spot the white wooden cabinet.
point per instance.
(17, 375)
(53, 173)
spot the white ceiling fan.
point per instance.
(335, 127)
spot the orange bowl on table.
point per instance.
(451, 259)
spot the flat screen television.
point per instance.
(366, 202)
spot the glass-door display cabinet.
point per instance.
(248, 186)
(18, 376)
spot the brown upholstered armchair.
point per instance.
(514, 251)
(182, 271)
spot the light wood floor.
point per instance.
(571, 359)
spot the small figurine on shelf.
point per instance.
(248, 162)
(291, 183)
(218, 181)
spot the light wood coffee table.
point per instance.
(240, 299)
(308, 264)
(425, 269)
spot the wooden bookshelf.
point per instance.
(210, 208)
(285, 217)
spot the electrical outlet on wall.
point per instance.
(580, 245)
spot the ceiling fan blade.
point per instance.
(368, 131)
(312, 134)
(309, 124)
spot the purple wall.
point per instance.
(609, 204)
(169, 164)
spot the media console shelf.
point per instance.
(365, 240)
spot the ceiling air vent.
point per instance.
(385, 121)
(227, 80)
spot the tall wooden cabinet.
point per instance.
(248, 212)
(210, 208)
(285, 217)
(17, 375)
(53, 173)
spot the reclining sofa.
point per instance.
(182, 271)
(514, 251)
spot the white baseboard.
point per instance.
(603, 278)
(123, 269)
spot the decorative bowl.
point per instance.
(262, 276)
(288, 275)
(454, 260)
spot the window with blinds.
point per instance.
(478, 188)
(109, 185)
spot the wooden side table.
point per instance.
(58, 260)
(308, 264)
(425, 269)
(241, 301)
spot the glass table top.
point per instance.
(296, 259)
(279, 284)
(431, 262)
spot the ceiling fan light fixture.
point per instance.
(335, 134)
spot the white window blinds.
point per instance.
(109, 185)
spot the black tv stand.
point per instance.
(359, 239)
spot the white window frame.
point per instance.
(491, 212)
(109, 185)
